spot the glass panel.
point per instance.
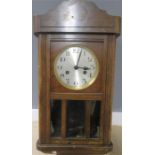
(75, 119)
(95, 119)
(56, 118)
(83, 120)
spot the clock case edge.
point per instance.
(111, 32)
(44, 97)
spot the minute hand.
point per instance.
(79, 58)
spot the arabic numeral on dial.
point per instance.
(84, 80)
(67, 80)
(90, 59)
(76, 83)
(62, 59)
(67, 53)
(90, 75)
(84, 53)
(92, 66)
(62, 75)
(59, 67)
(75, 50)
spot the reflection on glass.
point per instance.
(83, 119)
(95, 119)
(56, 118)
(75, 119)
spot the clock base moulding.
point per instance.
(75, 149)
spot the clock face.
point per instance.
(76, 67)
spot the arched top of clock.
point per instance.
(77, 16)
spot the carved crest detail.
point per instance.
(76, 16)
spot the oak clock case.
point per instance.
(76, 71)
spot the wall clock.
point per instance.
(76, 58)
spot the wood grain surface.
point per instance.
(76, 16)
(116, 138)
(76, 22)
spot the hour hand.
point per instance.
(84, 68)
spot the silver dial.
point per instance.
(76, 67)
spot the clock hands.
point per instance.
(84, 68)
(76, 66)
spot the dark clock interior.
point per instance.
(76, 112)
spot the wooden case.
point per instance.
(62, 27)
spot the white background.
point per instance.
(16, 77)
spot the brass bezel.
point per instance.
(85, 85)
